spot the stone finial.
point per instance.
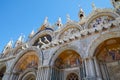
(81, 10)
(21, 38)
(68, 18)
(81, 14)
(93, 6)
(19, 41)
(31, 34)
(8, 46)
(45, 21)
(59, 22)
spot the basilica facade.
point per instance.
(88, 49)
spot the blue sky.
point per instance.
(22, 16)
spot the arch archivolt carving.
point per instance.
(96, 42)
(98, 15)
(34, 51)
(40, 34)
(68, 30)
(27, 59)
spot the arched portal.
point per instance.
(29, 61)
(2, 70)
(69, 61)
(108, 56)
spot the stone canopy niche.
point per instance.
(108, 55)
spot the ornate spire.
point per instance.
(81, 10)
(45, 24)
(20, 40)
(59, 22)
(8, 46)
(68, 18)
(93, 6)
(45, 21)
(31, 34)
(81, 14)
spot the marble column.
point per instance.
(49, 73)
(56, 74)
(104, 71)
(43, 73)
(86, 67)
(90, 69)
(97, 69)
(82, 70)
